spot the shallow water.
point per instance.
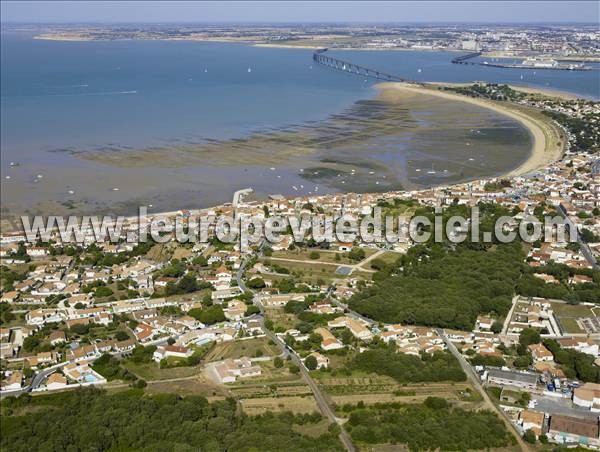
(60, 98)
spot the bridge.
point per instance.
(335, 63)
(464, 58)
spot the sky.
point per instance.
(300, 11)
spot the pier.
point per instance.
(335, 63)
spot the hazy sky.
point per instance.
(311, 11)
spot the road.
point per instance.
(35, 383)
(318, 395)
(474, 379)
(585, 249)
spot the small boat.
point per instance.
(419, 70)
(418, 170)
(301, 186)
(371, 172)
(7, 177)
(249, 69)
(205, 71)
(115, 189)
(39, 176)
(272, 169)
(71, 192)
(295, 188)
(376, 182)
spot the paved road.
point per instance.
(318, 395)
(35, 383)
(585, 249)
(474, 379)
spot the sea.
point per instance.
(72, 96)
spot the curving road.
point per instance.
(318, 395)
(474, 379)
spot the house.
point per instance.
(322, 361)
(323, 307)
(163, 352)
(329, 341)
(253, 327)
(143, 332)
(356, 327)
(524, 380)
(540, 352)
(532, 420)
(218, 296)
(4, 334)
(235, 310)
(223, 275)
(345, 247)
(278, 300)
(82, 373)
(227, 371)
(7, 350)
(124, 346)
(484, 322)
(582, 345)
(82, 353)
(37, 251)
(13, 382)
(9, 297)
(587, 396)
(56, 381)
(105, 346)
(43, 358)
(572, 430)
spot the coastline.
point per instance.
(547, 144)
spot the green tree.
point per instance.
(529, 436)
(529, 336)
(314, 255)
(310, 362)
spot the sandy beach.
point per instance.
(547, 146)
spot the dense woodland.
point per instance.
(445, 288)
(429, 426)
(441, 366)
(90, 419)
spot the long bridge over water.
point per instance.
(335, 63)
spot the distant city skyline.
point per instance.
(301, 11)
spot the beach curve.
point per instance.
(547, 138)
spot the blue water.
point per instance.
(139, 93)
(85, 95)
(437, 67)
